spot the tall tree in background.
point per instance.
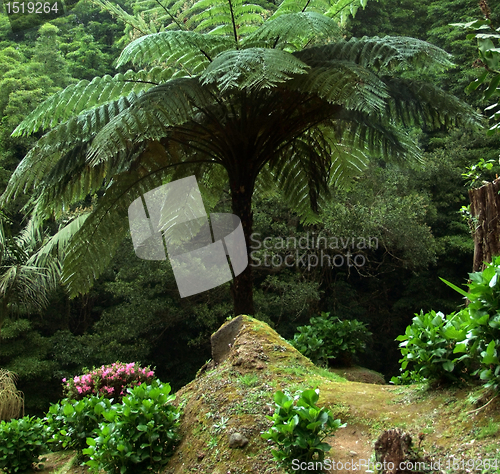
(485, 201)
(226, 93)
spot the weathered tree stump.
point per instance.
(392, 448)
(485, 212)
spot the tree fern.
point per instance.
(255, 97)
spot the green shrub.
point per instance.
(70, 422)
(21, 443)
(331, 338)
(428, 347)
(110, 381)
(482, 340)
(138, 434)
(299, 428)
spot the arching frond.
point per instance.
(173, 103)
(185, 49)
(345, 83)
(225, 17)
(423, 104)
(135, 21)
(339, 10)
(293, 31)
(66, 137)
(377, 53)
(86, 95)
(57, 245)
(375, 138)
(96, 242)
(254, 68)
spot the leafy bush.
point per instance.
(21, 442)
(109, 381)
(427, 348)
(331, 338)
(450, 347)
(138, 434)
(482, 338)
(70, 422)
(299, 428)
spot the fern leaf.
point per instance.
(225, 17)
(345, 83)
(86, 95)
(136, 21)
(150, 117)
(96, 242)
(168, 46)
(377, 53)
(254, 68)
(69, 135)
(423, 104)
(295, 30)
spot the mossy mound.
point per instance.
(236, 395)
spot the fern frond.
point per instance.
(196, 50)
(423, 104)
(135, 21)
(96, 242)
(86, 95)
(69, 135)
(225, 17)
(57, 245)
(150, 117)
(377, 53)
(338, 10)
(375, 138)
(341, 82)
(254, 68)
(293, 31)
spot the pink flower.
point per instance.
(64, 380)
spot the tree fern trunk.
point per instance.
(242, 286)
(485, 211)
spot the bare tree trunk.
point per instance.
(485, 212)
(242, 286)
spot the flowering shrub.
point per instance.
(110, 381)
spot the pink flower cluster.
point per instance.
(108, 380)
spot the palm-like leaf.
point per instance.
(254, 68)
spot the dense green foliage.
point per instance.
(22, 441)
(460, 345)
(488, 41)
(428, 348)
(138, 434)
(326, 338)
(299, 428)
(71, 422)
